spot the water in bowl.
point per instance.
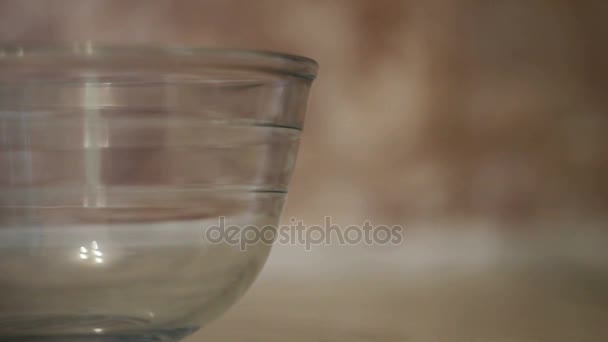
(135, 281)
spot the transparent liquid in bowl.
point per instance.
(151, 281)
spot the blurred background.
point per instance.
(478, 126)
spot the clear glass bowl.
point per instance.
(114, 163)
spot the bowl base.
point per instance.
(94, 328)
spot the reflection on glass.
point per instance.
(94, 253)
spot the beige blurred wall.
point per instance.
(422, 109)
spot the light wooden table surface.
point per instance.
(427, 292)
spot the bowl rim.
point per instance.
(250, 59)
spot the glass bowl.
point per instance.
(115, 164)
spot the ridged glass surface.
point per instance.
(114, 164)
